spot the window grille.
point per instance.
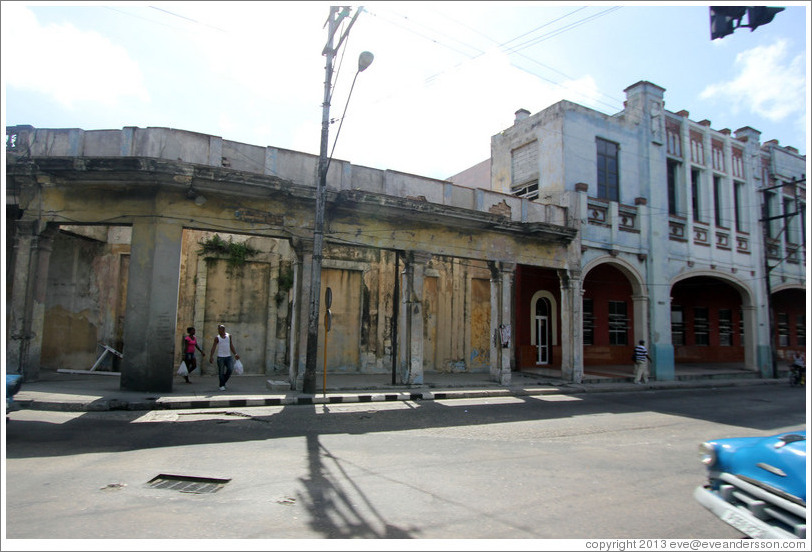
(701, 326)
(530, 191)
(677, 326)
(589, 322)
(618, 323)
(725, 327)
(783, 329)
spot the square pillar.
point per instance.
(32, 254)
(502, 344)
(302, 270)
(411, 319)
(152, 306)
(572, 315)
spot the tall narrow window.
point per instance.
(701, 326)
(791, 234)
(725, 327)
(673, 179)
(589, 321)
(608, 170)
(618, 323)
(718, 207)
(696, 194)
(770, 211)
(800, 330)
(677, 326)
(738, 206)
(783, 329)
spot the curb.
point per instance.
(348, 397)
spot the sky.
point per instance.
(446, 76)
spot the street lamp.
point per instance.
(364, 60)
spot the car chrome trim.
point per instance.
(739, 517)
(772, 469)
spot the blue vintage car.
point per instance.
(757, 484)
(13, 384)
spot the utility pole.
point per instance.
(337, 14)
(766, 219)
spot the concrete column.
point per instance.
(32, 254)
(640, 310)
(299, 319)
(411, 322)
(494, 361)
(659, 344)
(572, 324)
(757, 355)
(272, 317)
(501, 357)
(152, 306)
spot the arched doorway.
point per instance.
(708, 321)
(538, 318)
(544, 323)
(613, 315)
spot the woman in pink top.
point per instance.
(189, 346)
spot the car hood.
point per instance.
(777, 462)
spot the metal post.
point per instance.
(337, 14)
(309, 382)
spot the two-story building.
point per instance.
(672, 236)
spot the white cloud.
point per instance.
(65, 63)
(768, 84)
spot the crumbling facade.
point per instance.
(123, 238)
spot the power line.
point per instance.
(503, 46)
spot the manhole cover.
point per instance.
(187, 484)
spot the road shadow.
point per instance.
(757, 408)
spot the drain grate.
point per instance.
(187, 484)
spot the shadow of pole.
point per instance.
(330, 496)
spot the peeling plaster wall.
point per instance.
(83, 300)
(87, 287)
(248, 300)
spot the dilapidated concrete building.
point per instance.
(123, 238)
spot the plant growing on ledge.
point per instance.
(235, 253)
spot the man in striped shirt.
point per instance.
(641, 360)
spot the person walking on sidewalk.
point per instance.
(224, 346)
(189, 346)
(641, 360)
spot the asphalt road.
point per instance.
(608, 465)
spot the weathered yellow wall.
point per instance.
(344, 338)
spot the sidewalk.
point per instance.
(101, 391)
